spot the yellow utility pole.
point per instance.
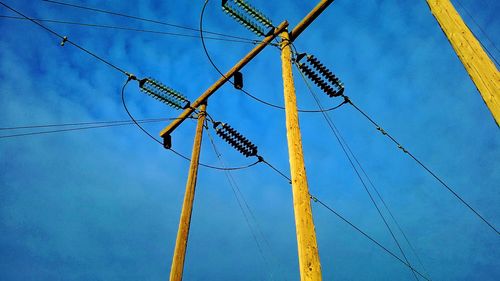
(481, 69)
(309, 265)
(187, 206)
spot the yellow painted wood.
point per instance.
(309, 264)
(187, 206)
(481, 69)
(307, 20)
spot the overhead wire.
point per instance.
(66, 40)
(315, 199)
(413, 250)
(253, 42)
(242, 203)
(143, 19)
(425, 167)
(343, 144)
(86, 127)
(171, 149)
(205, 49)
(81, 123)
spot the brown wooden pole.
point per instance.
(309, 264)
(187, 206)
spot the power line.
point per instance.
(65, 39)
(344, 145)
(82, 123)
(391, 215)
(377, 126)
(73, 129)
(242, 203)
(315, 199)
(143, 19)
(253, 42)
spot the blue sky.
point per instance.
(104, 204)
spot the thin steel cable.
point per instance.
(278, 171)
(243, 90)
(143, 19)
(379, 128)
(67, 40)
(315, 199)
(391, 215)
(260, 159)
(81, 124)
(482, 31)
(343, 145)
(253, 42)
(242, 203)
(175, 152)
(70, 130)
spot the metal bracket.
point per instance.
(167, 141)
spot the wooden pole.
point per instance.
(307, 20)
(481, 69)
(309, 264)
(187, 206)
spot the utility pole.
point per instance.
(177, 268)
(481, 69)
(309, 264)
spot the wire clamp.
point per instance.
(346, 99)
(64, 40)
(382, 131)
(130, 76)
(402, 148)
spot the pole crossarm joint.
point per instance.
(252, 54)
(306, 21)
